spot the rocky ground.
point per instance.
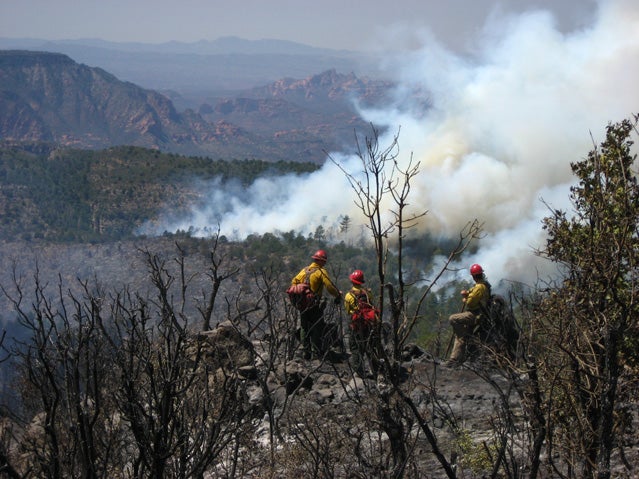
(466, 409)
(464, 402)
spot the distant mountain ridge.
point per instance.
(222, 45)
(49, 97)
(224, 65)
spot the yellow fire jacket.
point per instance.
(477, 297)
(350, 299)
(318, 280)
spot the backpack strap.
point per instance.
(363, 294)
(307, 275)
(328, 278)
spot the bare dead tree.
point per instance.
(383, 180)
(217, 275)
(64, 371)
(381, 177)
(273, 331)
(7, 434)
(116, 384)
(181, 414)
(469, 234)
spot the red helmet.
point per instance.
(320, 255)
(476, 269)
(357, 277)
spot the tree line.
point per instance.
(63, 195)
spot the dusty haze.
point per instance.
(505, 124)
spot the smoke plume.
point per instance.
(496, 143)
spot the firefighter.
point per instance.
(312, 322)
(363, 325)
(474, 304)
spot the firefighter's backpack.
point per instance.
(366, 314)
(499, 325)
(301, 295)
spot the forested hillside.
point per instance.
(84, 195)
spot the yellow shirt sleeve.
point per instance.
(476, 296)
(350, 303)
(320, 280)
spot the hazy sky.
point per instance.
(341, 24)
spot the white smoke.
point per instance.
(504, 126)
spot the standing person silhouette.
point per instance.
(311, 319)
(475, 302)
(363, 341)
